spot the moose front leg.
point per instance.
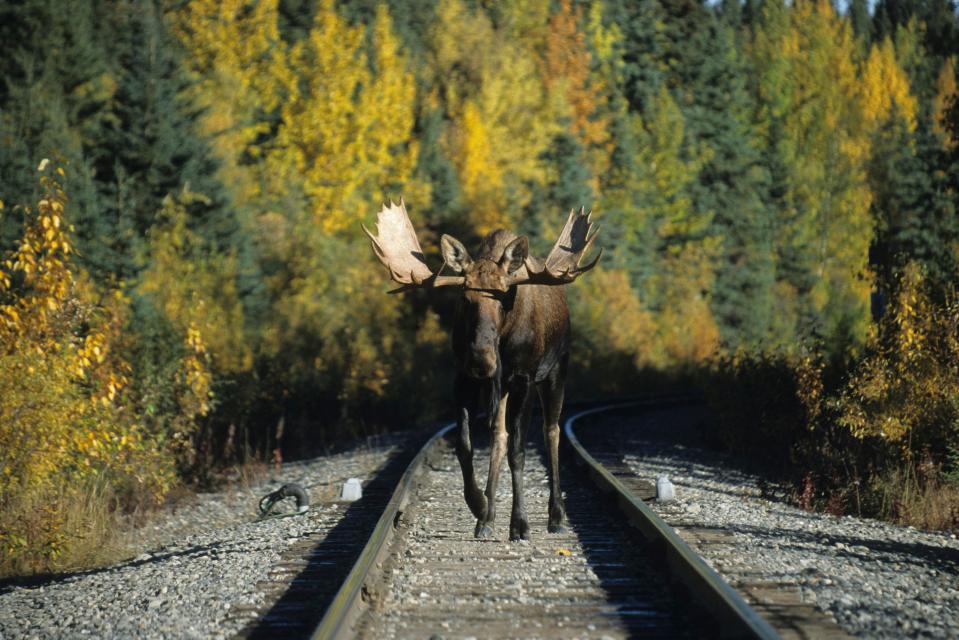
(498, 441)
(464, 449)
(517, 418)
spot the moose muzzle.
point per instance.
(481, 363)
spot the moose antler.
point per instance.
(562, 264)
(398, 249)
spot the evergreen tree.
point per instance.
(566, 187)
(640, 67)
(435, 168)
(149, 147)
(295, 18)
(709, 76)
(55, 85)
(861, 21)
(916, 208)
(934, 22)
(411, 19)
(732, 12)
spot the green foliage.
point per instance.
(709, 74)
(812, 123)
(876, 438)
(52, 100)
(914, 209)
(148, 146)
(768, 405)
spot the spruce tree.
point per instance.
(642, 62)
(915, 208)
(937, 25)
(861, 21)
(54, 88)
(149, 147)
(566, 187)
(709, 78)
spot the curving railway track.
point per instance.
(618, 572)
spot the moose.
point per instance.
(511, 334)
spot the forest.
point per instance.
(184, 283)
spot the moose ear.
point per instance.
(514, 255)
(455, 254)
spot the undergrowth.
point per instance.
(876, 435)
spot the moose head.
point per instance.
(398, 248)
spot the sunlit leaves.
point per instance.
(239, 60)
(64, 417)
(885, 88)
(904, 390)
(345, 132)
(193, 291)
(567, 67)
(814, 129)
(502, 120)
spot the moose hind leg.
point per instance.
(517, 419)
(551, 393)
(498, 440)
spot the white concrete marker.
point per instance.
(352, 490)
(665, 491)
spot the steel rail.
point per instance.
(735, 617)
(345, 605)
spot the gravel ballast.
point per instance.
(195, 570)
(876, 579)
(593, 581)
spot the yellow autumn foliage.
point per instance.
(885, 88)
(812, 115)
(64, 422)
(345, 134)
(238, 59)
(503, 118)
(947, 92)
(567, 66)
(905, 389)
(190, 309)
(196, 289)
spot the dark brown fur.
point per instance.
(507, 341)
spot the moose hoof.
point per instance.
(483, 531)
(557, 528)
(519, 531)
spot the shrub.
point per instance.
(877, 437)
(71, 449)
(902, 399)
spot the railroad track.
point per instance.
(301, 587)
(618, 572)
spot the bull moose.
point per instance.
(511, 334)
